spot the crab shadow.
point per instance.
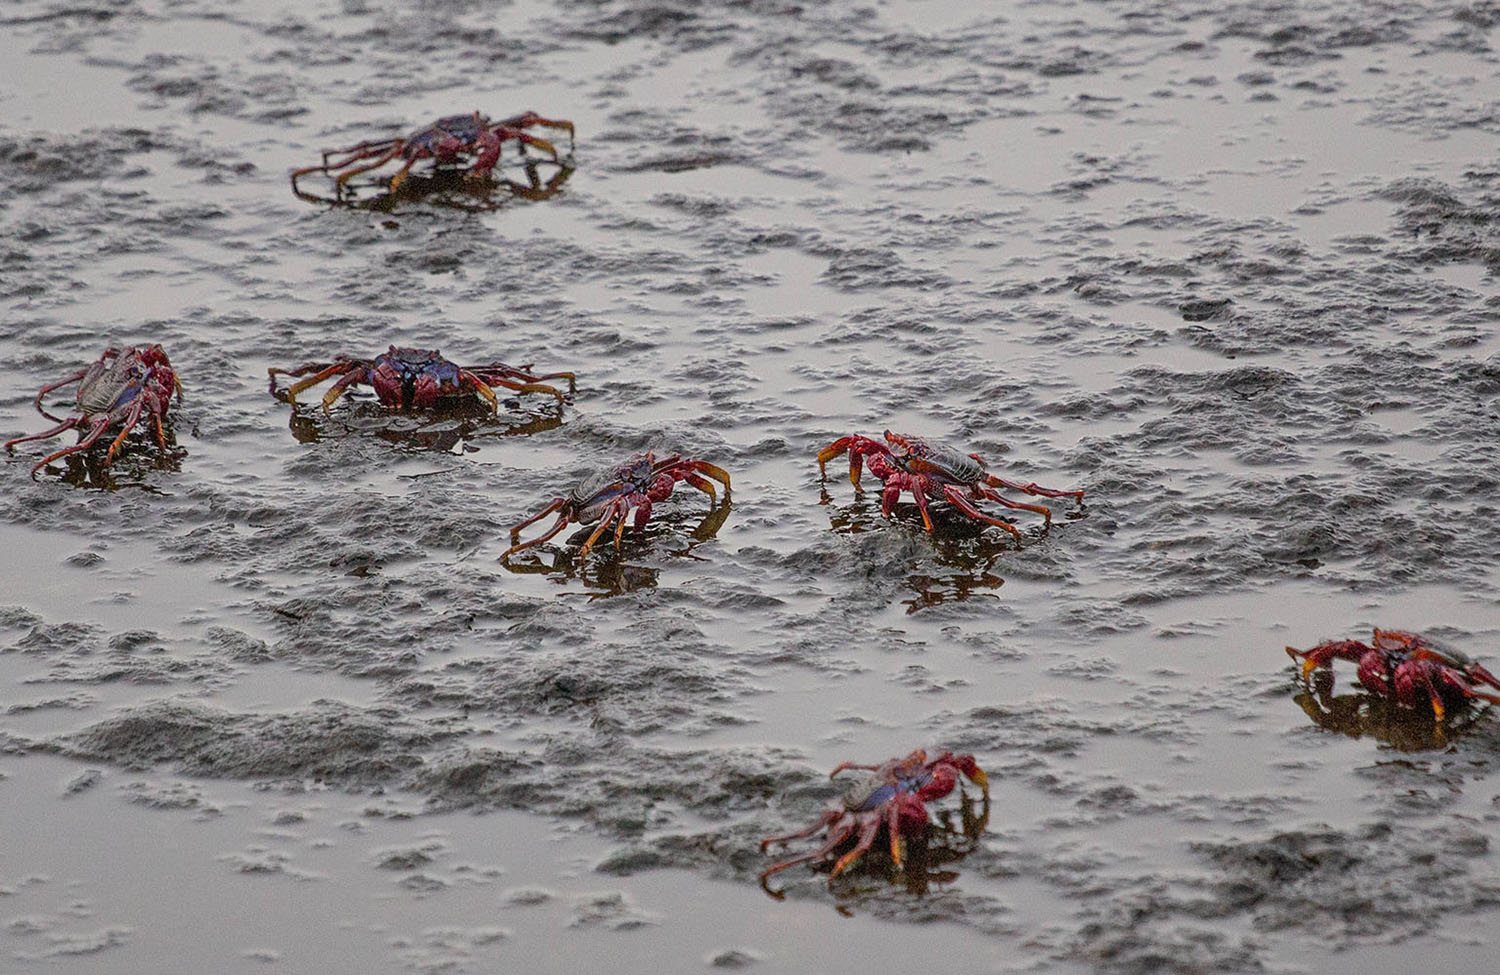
(930, 859)
(134, 463)
(606, 571)
(453, 188)
(961, 555)
(1364, 715)
(450, 429)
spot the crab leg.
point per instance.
(354, 153)
(853, 444)
(830, 817)
(380, 160)
(67, 424)
(893, 826)
(502, 132)
(562, 522)
(128, 424)
(523, 374)
(866, 840)
(396, 180)
(1032, 488)
(156, 419)
(555, 504)
(530, 388)
(95, 432)
(323, 371)
(838, 834)
(1002, 499)
(701, 484)
(360, 374)
(482, 388)
(711, 470)
(615, 509)
(921, 498)
(350, 155)
(51, 386)
(962, 503)
(526, 119)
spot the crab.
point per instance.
(929, 468)
(452, 140)
(608, 495)
(120, 388)
(1406, 668)
(417, 378)
(894, 797)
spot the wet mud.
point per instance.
(1230, 269)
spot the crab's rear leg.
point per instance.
(827, 820)
(572, 380)
(380, 160)
(519, 388)
(996, 496)
(554, 505)
(41, 394)
(704, 485)
(65, 425)
(839, 830)
(956, 495)
(495, 371)
(354, 153)
(1033, 488)
(96, 430)
(563, 521)
(711, 470)
(322, 371)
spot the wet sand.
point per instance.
(274, 701)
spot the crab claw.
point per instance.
(1308, 663)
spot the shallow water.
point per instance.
(273, 700)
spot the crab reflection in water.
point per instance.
(963, 547)
(128, 470)
(605, 573)
(1362, 714)
(454, 429)
(450, 189)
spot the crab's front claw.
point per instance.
(1306, 660)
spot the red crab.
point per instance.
(416, 378)
(446, 141)
(928, 468)
(119, 388)
(894, 796)
(609, 494)
(1405, 668)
